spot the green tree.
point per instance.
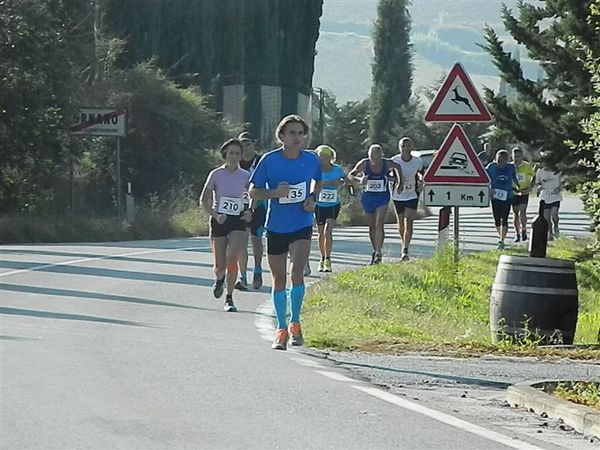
(43, 44)
(346, 129)
(547, 112)
(212, 43)
(172, 133)
(591, 128)
(392, 68)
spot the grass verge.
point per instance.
(431, 305)
(147, 225)
(582, 392)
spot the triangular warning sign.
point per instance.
(458, 100)
(456, 162)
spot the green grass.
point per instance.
(431, 303)
(147, 225)
(582, 392)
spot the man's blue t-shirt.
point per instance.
(286, 215)
(334, 174)
(502, 178)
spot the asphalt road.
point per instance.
(121, 345)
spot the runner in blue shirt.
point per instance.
(327, 208)
(285, 177)
(504, 178)
(373, 174)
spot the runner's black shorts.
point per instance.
(322, 213)
(520, 200)
(549, 205)
(401, 205)
(232, 223)
(257, 224)
(279, 243)
(501, 210)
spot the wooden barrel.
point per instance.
(534, 298)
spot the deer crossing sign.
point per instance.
(458, 100)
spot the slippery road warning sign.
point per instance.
(456, 162)
(458, 100)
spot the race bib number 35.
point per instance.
(375, 186)
(296, 194)
(328, 196)
(230, 205)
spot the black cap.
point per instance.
(246, 136)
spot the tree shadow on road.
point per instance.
(65, 316)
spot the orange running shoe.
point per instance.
(296, 337)
(281, 338)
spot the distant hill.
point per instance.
(444, 31)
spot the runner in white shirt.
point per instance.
(405, 193)
(549, 189)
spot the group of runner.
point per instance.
(280, 192)
(511, 185)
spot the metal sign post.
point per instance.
(104, 122)
(456, 228)
(118, 174)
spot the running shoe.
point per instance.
(281, 338)
(524, 236)
(518, 238)
(241, 285)
(405, 257)
(500, 245)
(556, 232)
(307, 270)
(321, 267)
(327, 265)
(372, 259)
(257, 280)
(218, 287)
(229, 306)
(377, 259)
(295, 333)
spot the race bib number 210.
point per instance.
(231, 206)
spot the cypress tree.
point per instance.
(392, 67)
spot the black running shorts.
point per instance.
(279, 243)
(322, 213)
(232, 223)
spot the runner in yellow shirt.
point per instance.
(525, 175)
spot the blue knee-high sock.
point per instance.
(280, 305)
(296, 297)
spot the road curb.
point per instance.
(528, 395)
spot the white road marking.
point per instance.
(307, 362)
(336, 376)
(83, 260)
(264, 324)
(448, 419)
